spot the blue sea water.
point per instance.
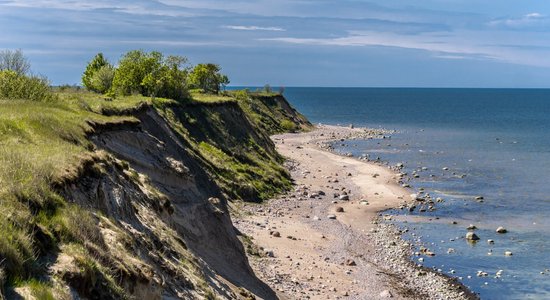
(496, 144)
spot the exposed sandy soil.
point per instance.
(354, 255)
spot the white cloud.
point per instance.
(253, 28)
(458, 45)
(137, 7)
(172, 43)
(526, 21)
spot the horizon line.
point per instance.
(388, 87)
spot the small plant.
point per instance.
(288, 125)
(40, 290)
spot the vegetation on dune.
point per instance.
(99, 74)
(20, 86)
(151, 74)
(44, 140)
(208, 78)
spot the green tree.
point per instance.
(96, 64)
(208, 78)
(102, 79)
(151, 74)
(14, 61)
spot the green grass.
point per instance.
(211, 98)
(45, 143)
(41, 143)
(253, 177)
(40, 290)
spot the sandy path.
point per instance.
(317, 257)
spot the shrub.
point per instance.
(17, 86)
(288, 125)
(241, 94)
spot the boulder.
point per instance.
(470, 236)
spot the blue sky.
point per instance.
(428, 43)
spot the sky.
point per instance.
(336, 43)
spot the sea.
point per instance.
(462, 144)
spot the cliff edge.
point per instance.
(128, 198)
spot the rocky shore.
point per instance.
(327, 239)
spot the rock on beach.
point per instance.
(501, 230)
(470, 236)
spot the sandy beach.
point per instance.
(327, 239)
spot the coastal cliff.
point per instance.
(129, 197)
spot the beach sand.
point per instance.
(311, 249)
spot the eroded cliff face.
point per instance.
(158, 189)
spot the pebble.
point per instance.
(339, 209)
(344, 198)
(331, 217)
(276, 234)
(482, 274)
(501, 230)
(350, 262)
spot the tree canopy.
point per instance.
(151, 74)
(98, 74)
(14, 60)
(208, 78)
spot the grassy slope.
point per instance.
(42, 144)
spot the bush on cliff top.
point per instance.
(19, 86)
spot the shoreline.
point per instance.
(326, 239)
